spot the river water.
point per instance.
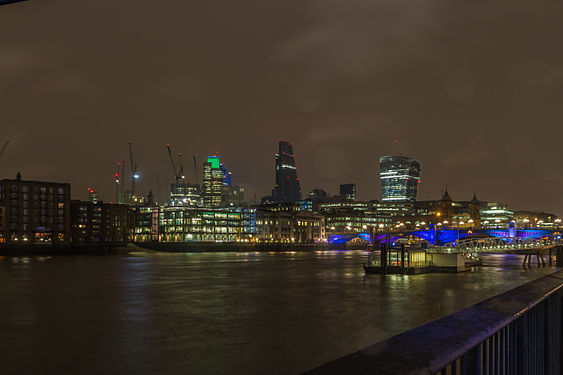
(218, 313)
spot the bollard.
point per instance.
(559, 257)
(384, 258)
(403, 258)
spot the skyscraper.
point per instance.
(348, 191)
(400, 177)
(212, 181)
(288, 188)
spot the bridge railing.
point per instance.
(517, 332)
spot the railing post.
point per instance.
(471, 361)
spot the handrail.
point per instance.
(430, 348)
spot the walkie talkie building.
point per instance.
(400, 177)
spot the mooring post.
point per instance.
(530, 260)
(525, 258)
(542, 260)
(384, 258)
(550, 260)
(403, 258)
(559, 256)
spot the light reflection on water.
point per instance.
(250, 313)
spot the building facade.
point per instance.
(288, 187)
(348, 191)
(189, 224)
(100, 223)
(400, 177)
(184, 194)
(34, 211)
(289, 227)
(212, 182)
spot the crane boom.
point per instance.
(122, 176)
(172, 162)
(157, 182)
(4, 148)
(181, 166)
(195, 171)
(134, 174)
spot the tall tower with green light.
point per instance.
(212, 181)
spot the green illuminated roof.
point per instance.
(214, 160)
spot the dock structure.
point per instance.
(417, 260)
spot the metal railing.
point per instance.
(500, 244)
(517, 332)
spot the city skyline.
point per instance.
(226, 178)
(341, 91)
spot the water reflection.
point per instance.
(252, 313)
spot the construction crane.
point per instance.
(158, 185)
(178, 173)
(121, 182)
(195, 171)
(118, 180)
(134, 173)
(4, 148)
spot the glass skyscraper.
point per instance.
(288, 188)
(212, 181)
(400, 177)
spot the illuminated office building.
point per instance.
(495, 215)
(182, 194)
(288, 188)
(400, 177)
(212, 181)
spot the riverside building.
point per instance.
(34, 211)
(289, 226)
(100, 223)
(195, 224)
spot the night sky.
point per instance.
(473, 90)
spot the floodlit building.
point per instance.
(34, 211)
(288, 187)
(289, 226)
(400, 177)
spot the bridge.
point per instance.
(441, 237)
